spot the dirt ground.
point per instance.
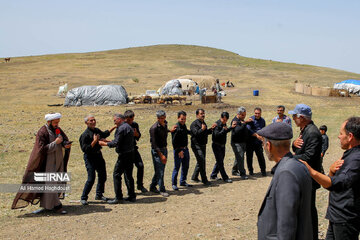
(221, 211)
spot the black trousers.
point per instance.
(314, 215)
(219, 152)
(140, 169)
(94, 163)
(124, 165)
(200, 154)
(343, 231)
(250, 148)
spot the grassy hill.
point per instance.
(28, 84)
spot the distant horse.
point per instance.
(7, 59)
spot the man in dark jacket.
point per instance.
(285, 211)
(158, 139)
(124, 145)
(218, 145)
(199, 139)
(307, 147)
(254, 144)
(181, 151)
(239, 136)
(94, 161)
(138, 162)
(343, 184)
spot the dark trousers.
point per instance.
(124, 165)
(219, 152)
(159, 170)
(314, 215)
(200, 154)
(93, 163)
(239, 152)
(343, 231)
(184, 163)
(140, 169)
(250, 148)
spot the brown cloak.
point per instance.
(37, 163)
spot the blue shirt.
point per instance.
(285, 119)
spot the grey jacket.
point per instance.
(285, 212)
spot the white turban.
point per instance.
(52, 116)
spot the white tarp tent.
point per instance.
(96, 95)
(172, 87)
(351, 85)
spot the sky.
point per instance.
(317, 32)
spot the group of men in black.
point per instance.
(127, 134)
(244, 138)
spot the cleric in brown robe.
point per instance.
(46, 156)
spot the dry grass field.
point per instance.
(222, 211)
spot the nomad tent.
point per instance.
(351, 85)
(96, 95)
(204, 81)
(172, 87)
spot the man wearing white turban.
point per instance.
(47, 156)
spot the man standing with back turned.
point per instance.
(285, 212)
(307, 147)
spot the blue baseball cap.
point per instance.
(302, 109)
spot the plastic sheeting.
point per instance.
(96, 95)
(172, 87)
(351, 85)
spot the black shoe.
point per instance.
(195, 180)
(236, 174)
(228, 180)
(84, 202)
(185, 185)
(130, 199)
(244, 177)
(154, 190)
(142, 189)
(251, 173)
(102, 198)
(115, 201)
(263, 174)
(175, 187)
(207, 183)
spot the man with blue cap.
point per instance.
(285, 212)
(307, 147)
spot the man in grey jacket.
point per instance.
(285, 212)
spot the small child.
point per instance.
(325, 143)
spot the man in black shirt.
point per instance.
(239, 136)
(94, 161)
(129, 118)
(158, 139)
(181, 151)
(343, 183)
(218, 145)
(124, 144)
(199, 139)
(307, 147)
(324, 143)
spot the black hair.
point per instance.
(198, 111)
(257, 108)
(181, 113)
(129, 114)
(353, 126)
(224, 114)
(323, 127)
(281, 106)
